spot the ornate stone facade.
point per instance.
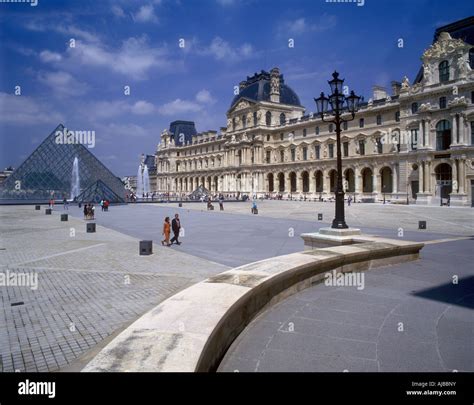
(415, 144)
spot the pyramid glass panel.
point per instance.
(47, 173)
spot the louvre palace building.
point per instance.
(413, 143)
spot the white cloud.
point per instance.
(117, 11)
(134, 58)
(179, 106)
(48, 56)
(204, 97)
(26, 111)
(222, 50)
(302, 26)
(142, 107)
(145, 14)
(62, 83)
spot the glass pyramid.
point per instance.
(96, 192)
(47, 173)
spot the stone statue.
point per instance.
(405, 83)
(427, 74)
(463, 64)
(232, 139)
(245, 137)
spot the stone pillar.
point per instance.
(462, 176)
(376, 186)
(276, 183)
(455, 176)
(421, 136)
(312, 182)
(461, 129)
(287, 183)
(454, 131)
(428, 187)
(299, 182)
(326, 182)
(395, 179)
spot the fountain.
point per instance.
(75, 183)
(146, 181)
(139, 182)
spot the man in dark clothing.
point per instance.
(175, 226)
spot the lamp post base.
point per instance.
(339, 224)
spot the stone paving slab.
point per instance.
(89, 286)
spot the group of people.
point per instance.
(174, 226)
(104, 204)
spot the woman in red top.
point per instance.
(166, 232)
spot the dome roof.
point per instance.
(257, 88)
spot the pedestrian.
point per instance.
(92, 211)
(254, 207)
(65, 203)
(176, 226)
(102, 204)
(166, 232)
(221, 202)
(86, 210)
(349, 200)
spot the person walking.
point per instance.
(176, 227)
(221, 202)
(65, 204)
(166, 232)
(349, 200)
(86, 210)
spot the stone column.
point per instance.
(454, 131)
(287, 183)
(455, 176)
(376, 186)
(276, 183)
(462, 175)
(420, 134)
(312, 182)
(326, 182)
(421, 186)
(462, 131)
(428, 187)
(358, 180)
(299, 182)
(395, 179)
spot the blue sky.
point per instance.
(137, 43)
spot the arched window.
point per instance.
(268, 118)
(282, 119)
(443, 71)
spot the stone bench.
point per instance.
(192, 330)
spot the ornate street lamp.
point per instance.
(340, 105)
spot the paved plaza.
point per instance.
(93, 285)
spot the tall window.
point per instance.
(304, 132)
(233, 124)
(305, 153)
(443, 68)
(344, 125)
(362, 147)
(255, 118)
(281, 136)
(414, 139)
(293, 154)
(414, 108)
(443, 135)
(244, 121)
(317, 151)
(442, 102)
(345, 146)
(379, 119)
(282, 119)
(268, 118)
(331, 127)
(331, 150)
(268, 138)
(316, 131)
(472, 132)
(397, 116)
(471, 58)
(269, 156)
(361, 123)
(282, 156)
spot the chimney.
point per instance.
(379, 92)
(396, 86)
(275, 85)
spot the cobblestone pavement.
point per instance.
(411, 317)
(89, 286)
